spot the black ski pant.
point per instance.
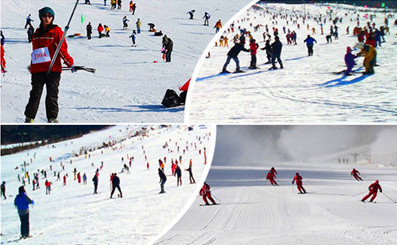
(89, 35)
(168, 56)
(310, 49)
(114, 188)
(24, 225)
(253, 61)
(51, 101)
(228, 61)
(162, 185)
(95, 188)
(274, 57)
(3, 193)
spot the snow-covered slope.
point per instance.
(71, 214)
(306, 90)
(253, 212)
(128, 86)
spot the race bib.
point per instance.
(41, 55)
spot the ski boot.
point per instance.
(273, 68)
(52, 120)
(224, 71)
(29, 120)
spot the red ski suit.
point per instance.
(205, 192)
(44, 46)
(373, 190)
(355, 174)
(270, 176)
(299, 183)
(3, 61)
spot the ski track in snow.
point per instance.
(306, 90)
(251, 211)
(71, 214)
(128, 86)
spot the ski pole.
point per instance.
(62, 39)
(216, 198)
(359, 193)
(388, 197)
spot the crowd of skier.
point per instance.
(370, 33)
(61, 170)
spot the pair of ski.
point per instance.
(214, 204)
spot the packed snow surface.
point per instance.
(72, 214)
(130, 82)
(251, 211)
(306, 90)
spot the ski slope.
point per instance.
(306, 90)
(72, 214)
(128, 85)
(251, 211)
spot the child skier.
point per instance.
(253, 50)
(349, 61)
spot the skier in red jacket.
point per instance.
(3, 61)
(253, 50)
(79, 178)
(373, 190)
(273, 170)
(271, 176)
(299, 183)
(45, 41)
(355, 174)
(205, 192)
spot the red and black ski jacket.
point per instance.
(45, 42)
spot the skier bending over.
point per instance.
(205, 192)
(191, 13)
(299, 183)
(22, 202)
(356, 174)
(373, 190)
(233, 53)
(45, 42)
(271, 176)
(369, 53)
